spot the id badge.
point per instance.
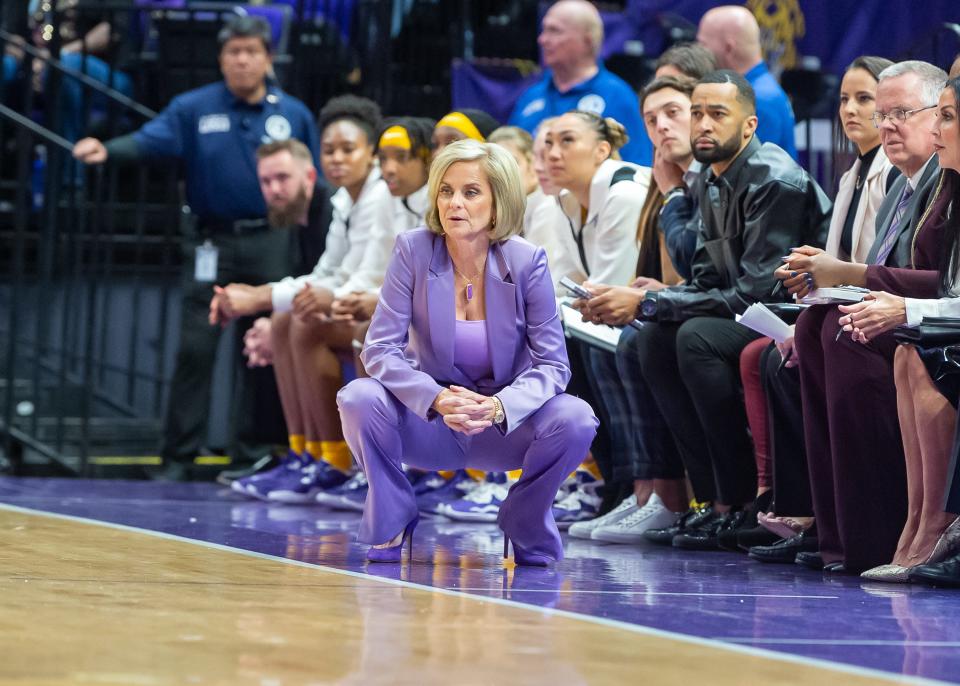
(205, 265)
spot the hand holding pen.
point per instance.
(793, 275)
(788, 352)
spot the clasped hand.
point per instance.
(232, 301)
(465, 411)
(877, 313)
(313, 302)
(354, 307)
(258, 343)
(806, 268)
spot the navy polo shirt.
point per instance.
(216, 136)
(775, 120)
(605, 94)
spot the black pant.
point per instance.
(582, 386)
(791, 478)
(254, 258)
(693, 370)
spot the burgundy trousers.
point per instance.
(854, 449)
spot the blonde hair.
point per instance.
(517, 137)
(503, 175)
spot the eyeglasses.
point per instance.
(896, 116)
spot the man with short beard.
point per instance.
(755, 204)
(298, 202)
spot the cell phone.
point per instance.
(575, 288)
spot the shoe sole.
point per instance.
(291, 498)
(349, 505)
(938, 581)
(684, 544)
(470, 517)
(773, 560)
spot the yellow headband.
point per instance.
(462, 123)
(396, 137)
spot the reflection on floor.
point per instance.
(720, 596)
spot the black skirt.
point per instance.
(943, 366)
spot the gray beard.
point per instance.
(290, 215)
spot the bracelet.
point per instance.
(672, 193)
(498, 415)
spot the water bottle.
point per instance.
(38, 176)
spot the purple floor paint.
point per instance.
(908, 630)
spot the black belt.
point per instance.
(240, 226)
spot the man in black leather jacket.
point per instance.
(755, 204)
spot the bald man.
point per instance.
(570, 39)
(955, 68)
(732, 34)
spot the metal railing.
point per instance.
(83, 251)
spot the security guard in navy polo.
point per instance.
(214, 132)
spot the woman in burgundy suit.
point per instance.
(926, 379)
(467, 362)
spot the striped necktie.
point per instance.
(893, 232)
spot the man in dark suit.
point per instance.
(854, 448)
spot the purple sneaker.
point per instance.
(581, 504)
(259, 485)
(349, 496)
(482, 504)
(315, 477)
(444, 491)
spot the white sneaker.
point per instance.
(624, 509)
(653, 515)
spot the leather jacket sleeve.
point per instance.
(733, 271)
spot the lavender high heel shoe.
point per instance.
(522, 557)
(395, 552)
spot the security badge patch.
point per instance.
(214, 123)
(592, 103)
(277, 127)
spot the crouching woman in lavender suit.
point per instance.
(467, 362)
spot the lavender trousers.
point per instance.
(383, 434)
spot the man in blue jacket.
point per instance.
(214, 132)
(571, 36)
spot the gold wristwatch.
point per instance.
(498, 415)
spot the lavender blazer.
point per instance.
(409, 345)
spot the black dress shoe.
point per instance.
(729, 537)
(946, 573)
(785, 550)
(693, 517)
(835, 568)
(811, 560)
(758, 535)
(736, 523)
(705, 536)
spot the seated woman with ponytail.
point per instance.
(601, 201)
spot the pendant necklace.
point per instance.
(469, 288)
